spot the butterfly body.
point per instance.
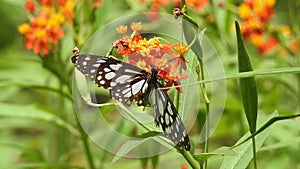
(128, 83)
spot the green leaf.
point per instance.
(127, 147)
(66, 45)
(247, 85)
(32, 112)
(191, 36)
(268, 124)
(149, 134)
(154, 161)
(42, 165)
(201, 158)
(101, 14)
(240, 156)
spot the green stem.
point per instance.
(62, 135)
(84, 139)
(293, 70)
(254, 152)
(189, 158)
(207, 102)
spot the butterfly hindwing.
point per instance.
(166, 115)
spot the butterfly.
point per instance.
(128, 83)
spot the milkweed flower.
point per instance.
(256, 15)
(44, 29)
(30, 6)
(146, 53)
(155, 5)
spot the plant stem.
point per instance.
(189, 158)
(207, 102)
(84, 139)
(254, 152)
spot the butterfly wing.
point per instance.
(125, 81)
(167, 117)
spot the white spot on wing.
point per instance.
(115, 67)
(112, 84)
(170, 109)
(84, 63)
(100, 61)
(137, 87)
(132, 71)
(110, 75)
(144, 87)
(122, 78)
(126, 91)
(107, 69)
(127, 94)
(96, 65)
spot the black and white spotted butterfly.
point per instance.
(128, 83)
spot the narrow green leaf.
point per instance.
(149, 134)
(32, 112)
(268, 124)
(287, 143)
(154, 161)
(240, 157)
(127, 147)
(190, 32)
(101, 14)
(247, 85)
(42, 165)
(201, 158)
(144, 162)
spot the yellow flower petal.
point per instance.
(24, 28)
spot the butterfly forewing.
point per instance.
(125, 81)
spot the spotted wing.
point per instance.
(125, 81)
(167, 117)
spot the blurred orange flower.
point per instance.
(197, 4)
(156, 4)
(45, 29)
(256, 15)
(29, 6)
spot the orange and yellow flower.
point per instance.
(198, 5)
(256, 15)
(143, 53)
(45, 29)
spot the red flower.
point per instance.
(268, 45)
(46, 2)
(29, 6)
(61, 2)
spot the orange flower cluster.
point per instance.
(45, 27)
(256, 14)
(156, 4)
(143, 53)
